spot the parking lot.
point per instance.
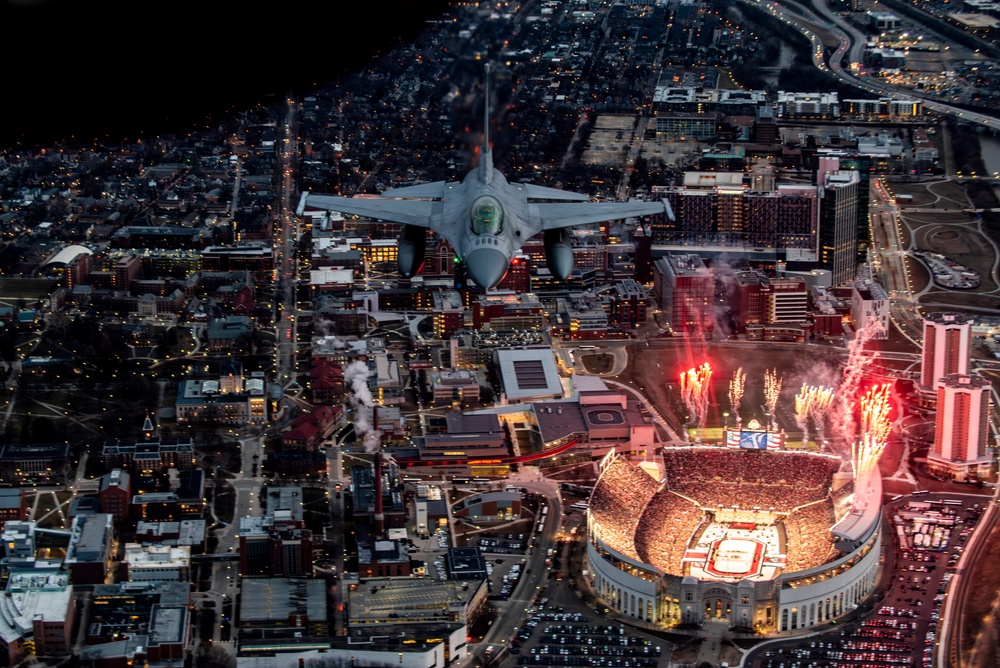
(903, 625)
(550, 637)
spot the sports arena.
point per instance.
(765, 540)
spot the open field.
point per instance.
(931, 194)
(25, 288)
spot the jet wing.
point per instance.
(408, 212)
(433, 190)
(541, 192)
(555, 216)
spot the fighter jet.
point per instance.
(484, 218)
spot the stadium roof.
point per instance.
(857, 524)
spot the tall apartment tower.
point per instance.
(946, 349)
(838, 224)
(960, 431)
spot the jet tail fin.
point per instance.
(302, 204)
(485, 155)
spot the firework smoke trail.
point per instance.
(803, 408)
(819, 407)
(736, 392)
(695, 392)
(842, 421)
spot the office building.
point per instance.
(156, 563)
(786, 301)
(716, 212)
(945, 348)
(37, 616)
(89, 551)
(838, 219)
(13, 505)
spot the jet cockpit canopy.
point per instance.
(487, 215)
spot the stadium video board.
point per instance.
(755, 439)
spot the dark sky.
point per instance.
(93, 69)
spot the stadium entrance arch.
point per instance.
(718, 604)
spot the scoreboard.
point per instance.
(755, 439)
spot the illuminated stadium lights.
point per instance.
(695, 392)
(736, 391)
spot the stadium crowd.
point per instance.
(665, 530)
(620, 496)
(809, 542)
(718, 494)
(766, 467)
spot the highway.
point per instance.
(852, 44)
(285, 240)
(949, 646)
(535, 572)
(891, 263)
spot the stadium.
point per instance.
(764, 540)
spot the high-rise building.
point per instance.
(945, 347)
(838, 219)
(684, 290)
(960, 430)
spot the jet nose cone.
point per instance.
(486, 266)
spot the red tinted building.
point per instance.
(685, 290)
(116, 494)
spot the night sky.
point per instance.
(116, 69)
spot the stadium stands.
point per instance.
(621, 494)
(809, 542)
(666, 529)
(642, 519)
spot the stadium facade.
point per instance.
(770, 541)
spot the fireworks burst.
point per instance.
(821, 402)
(876, 405)
(812, 403)
(736, 391)
(695, 392)
(842, 421)
(875, 408)
(803, 401)
(772, 389)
